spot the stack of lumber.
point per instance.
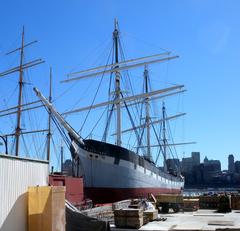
(190, 205)
(224, 204)
(235, 202)
(104, 213)
(169, 198)
(209, 202)
(128, 218)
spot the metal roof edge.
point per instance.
(23, 158)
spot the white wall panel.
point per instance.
(16, 174)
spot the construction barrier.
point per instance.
(46, 208)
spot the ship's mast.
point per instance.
(20, 106)
(117, 85)
(147, 119)
(18, 128)
(164, 137)
(49, 118)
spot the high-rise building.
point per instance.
(67, 167)
(205, 159)
(196, 158)
(212, 165)
(237, 166)
(231, 167)
(173, 165)
(189, 162)
(211, 168)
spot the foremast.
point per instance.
(20, 105)
(18, 128)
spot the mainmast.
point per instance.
(164, 137)
(18, 128)
(117, 85)
(147, 119)
(49, 118)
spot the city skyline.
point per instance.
(203, 157)
(206, 173)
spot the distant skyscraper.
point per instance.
(237, 166)
(205, 159)
(67, 167)
(231, 166)
(173, 165)
(189, 163)
(196, 158)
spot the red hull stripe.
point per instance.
(109, 195)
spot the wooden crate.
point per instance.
(120, 222)
(151, 214)
(134, 222)
(128, 218)
(119, 213)
(133, 212)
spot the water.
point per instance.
(209, 191)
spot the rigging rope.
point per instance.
(57, 157)
(104, 138)
(94, 98)
(130, 83)
(132, 122)
(159, 141)
(109, 114)
(97, 122)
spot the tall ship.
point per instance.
(114, 171)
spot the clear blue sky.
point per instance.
(204, 33)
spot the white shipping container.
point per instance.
(16, 174)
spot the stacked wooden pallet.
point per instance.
(128, 218)
(209, 202)
(169, 198)
(190, 204)
(235, 202)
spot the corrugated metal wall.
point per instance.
(16, 174)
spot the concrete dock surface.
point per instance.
(204, 220)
